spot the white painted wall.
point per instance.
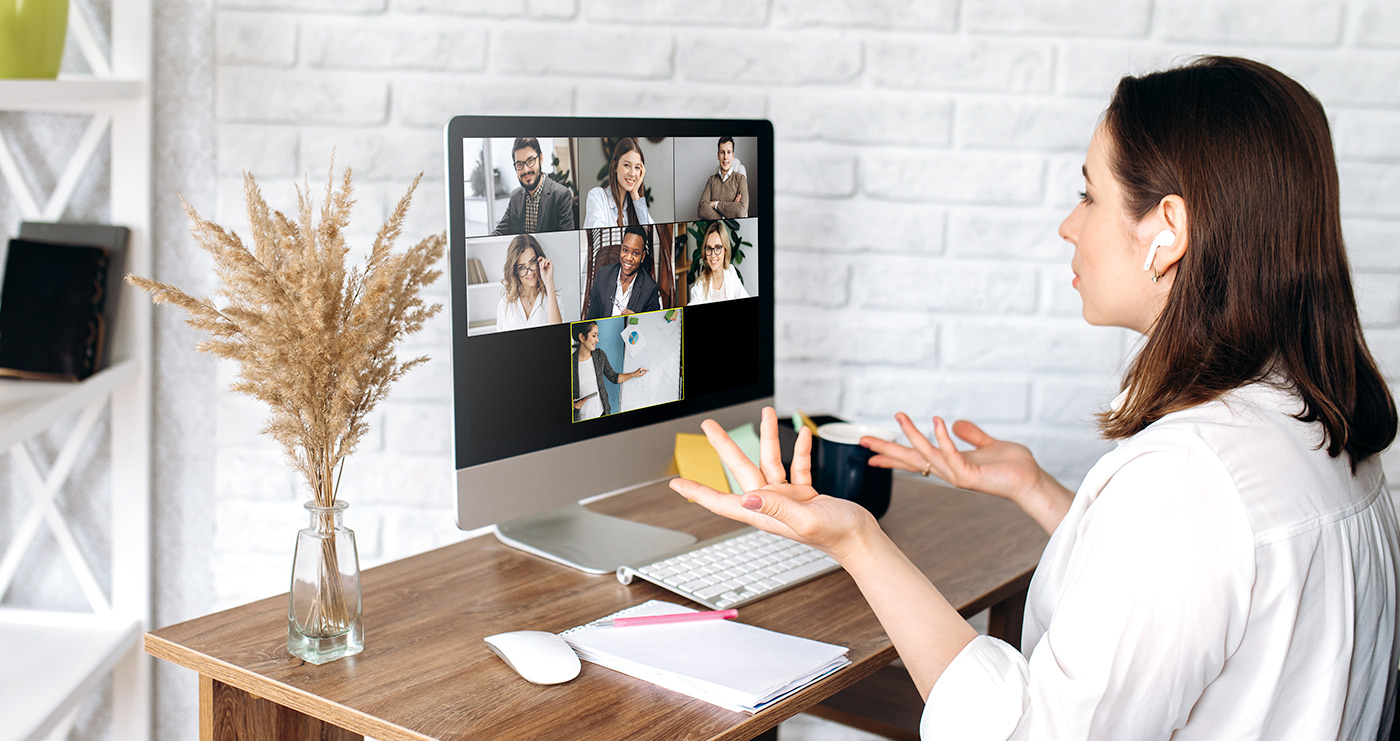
(926, 152)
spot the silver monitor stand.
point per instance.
(533, 499)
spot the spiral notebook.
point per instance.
(730, 664)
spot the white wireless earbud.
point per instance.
(1164, 238)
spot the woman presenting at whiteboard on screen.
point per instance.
(1229, 571)
(591, 366)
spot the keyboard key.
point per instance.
(713, 591)
(692, 586)
(799, 573)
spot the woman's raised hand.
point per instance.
(546, 272)
(775, 504)
(641, 175)
(997, 467)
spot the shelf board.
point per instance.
(52, 660)
(30, 407)
(70, 94)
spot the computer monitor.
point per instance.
(568, 280)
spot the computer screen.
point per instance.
(612, 284)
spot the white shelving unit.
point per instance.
(51, 661)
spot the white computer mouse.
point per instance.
(537, 656)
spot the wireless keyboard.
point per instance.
(734, 569)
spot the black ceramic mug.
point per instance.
(843, 466)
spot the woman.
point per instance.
(718, 280)
(624, 201)
(528, 295)
(1229, 571)
(591, 366)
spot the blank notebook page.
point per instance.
(728, 663)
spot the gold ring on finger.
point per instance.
(928, 467)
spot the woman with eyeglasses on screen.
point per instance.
(1229, 570)
(624, 201)
(717, 279)
(591, 366)
(528, 297)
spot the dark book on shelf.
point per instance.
(52, 323)
(107, 236)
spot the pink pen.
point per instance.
(684, 617)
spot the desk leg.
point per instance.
(230, 714)
(1004, 619)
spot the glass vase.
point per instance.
(324, 610)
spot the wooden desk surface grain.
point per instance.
(425, 672)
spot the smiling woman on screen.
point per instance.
(624, 201)
(528, 295)
(1229, 571)
(717, 280)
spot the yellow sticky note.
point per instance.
(697, 461)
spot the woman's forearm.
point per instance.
(925, 629)
(551, 302)
(1047, 502)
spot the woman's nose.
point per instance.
(1069, 228)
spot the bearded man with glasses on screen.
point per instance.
(539, 204)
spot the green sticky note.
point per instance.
(746, 437)
(633, 320)
(671, 315)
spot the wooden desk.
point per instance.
(426, 674)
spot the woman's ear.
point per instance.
(1169, 214)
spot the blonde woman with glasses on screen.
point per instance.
(1229, 570)
(624, 201)
(717, 279)
(528, 295)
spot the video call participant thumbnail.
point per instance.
(590, 368)
(540, 204)
(623, 287)
(624, 201)
(528, 295)
(726, 193)
(717, 279)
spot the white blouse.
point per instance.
(1217, 577)
(588, 384)
(602, 212)
(700, 293)
(511, 314)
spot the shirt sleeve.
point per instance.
(501, 315)
(1155, 594)
(596, 210)
(739, 290)
(566, 210)
(508, 218)
(704, 210)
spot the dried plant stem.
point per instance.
(314, 339)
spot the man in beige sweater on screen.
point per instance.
(726, 194)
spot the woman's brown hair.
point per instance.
(1264, 289)
(626, 212)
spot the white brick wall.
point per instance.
(926, 154)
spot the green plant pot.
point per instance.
(32, 33)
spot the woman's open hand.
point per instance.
(773, 503)
(997, 467)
